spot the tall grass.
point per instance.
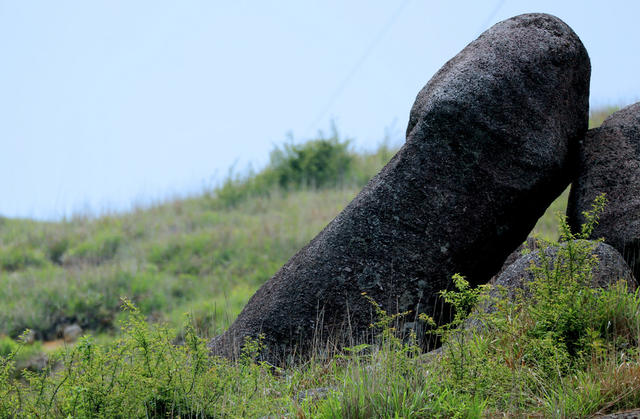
(519, 364)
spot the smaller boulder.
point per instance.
(528, 246)
(71, 333)
(518, 274)
(36, 363)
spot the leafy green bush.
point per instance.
(56, 248)
(564, 301)
(318, 163)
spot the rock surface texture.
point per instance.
(609, 162)
(486, 153)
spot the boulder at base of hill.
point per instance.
(487, 151)
(609, 162)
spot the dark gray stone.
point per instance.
(610, 269)
(486, 153)
(609, 162)
(516, 274)
(36, 363)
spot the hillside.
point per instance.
(205, 256)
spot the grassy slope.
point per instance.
(206, 257)
(197, 255)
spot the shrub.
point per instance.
(15, 258)
(56, 249)
(317, 163)
(563, 300)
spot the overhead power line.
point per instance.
(487, 21)
(345, 82)
(371, 46)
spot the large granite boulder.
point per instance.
(487, 151)
(609, 162)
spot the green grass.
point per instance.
(526, 361)
(204, 257)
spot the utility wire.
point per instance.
(379, 36)
(489, 18)
(345, 82)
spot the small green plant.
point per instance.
(56, 248)
(463, 299)
(562, 292)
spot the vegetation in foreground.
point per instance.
(205, 256)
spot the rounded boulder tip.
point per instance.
(487, 150)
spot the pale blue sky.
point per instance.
(108, 104)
